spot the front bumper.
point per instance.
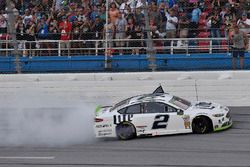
(223, 122)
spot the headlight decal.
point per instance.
(218, 115)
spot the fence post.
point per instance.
(210, 45)
(172, 47)
(96, 46)
(59, 48)
(12, 32)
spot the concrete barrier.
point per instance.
(231, 88)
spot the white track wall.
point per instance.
(231, 88)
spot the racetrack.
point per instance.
(226, 148)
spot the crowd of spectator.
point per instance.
(86, 20)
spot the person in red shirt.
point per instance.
(65, 29)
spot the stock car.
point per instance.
(159, 113)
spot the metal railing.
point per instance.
(97, 47)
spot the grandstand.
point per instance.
(119, 27)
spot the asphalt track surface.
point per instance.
(226, 148)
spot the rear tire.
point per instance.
(125, 131)
(201, 125)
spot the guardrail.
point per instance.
(97, 47)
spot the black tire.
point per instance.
(125, 131)
(201, 125)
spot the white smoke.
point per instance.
(41, 119)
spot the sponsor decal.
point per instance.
(187, 123)
(122, 118)
(143, 126)
(105, 132)
(103, 126)
(141, 129)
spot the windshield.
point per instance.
(182, 103)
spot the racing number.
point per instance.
(160, 121)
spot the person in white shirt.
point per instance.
(171, 24)
(244, 23)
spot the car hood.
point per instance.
(205, 107)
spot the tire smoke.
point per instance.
(37, 119)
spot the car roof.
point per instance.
(155, 97)
(150, 98)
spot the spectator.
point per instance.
(3, 31)
(103, 14)
(120, 25)
(81, 16)
(155, 15)
(54, 31)
(20, 30)
(109, 31)
(216, 21)
(244, 23)
(86, 35)
(97, 28)
(216, 3)
(65, 28)
(240, 43)
(171, 24)
(124, 6)
(139, 17)
(228, 18)
(133, 32)
(163, 18)
(113, 12)
(183, 30)
(3, 25)
(43, 34)
(94, 13)
(27, 17)
(54, 34)
(2, 5)
(30, 30)
(196, 12)
(246, 6)
(155, 34)
(76, 36)
(136, 34)
(130, 14)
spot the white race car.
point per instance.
(159, 114)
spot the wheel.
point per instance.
(125, 131)
(201, 125)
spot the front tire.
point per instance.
(125, 131)
(201, 125)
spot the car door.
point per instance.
(161, 118)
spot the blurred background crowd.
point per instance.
(86, 20)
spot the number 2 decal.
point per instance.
(161, 122)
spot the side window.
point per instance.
(134, 109)
(170, 109)
(122, 111)
(154, 107)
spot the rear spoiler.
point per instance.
(159, 89)
(101, 109)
